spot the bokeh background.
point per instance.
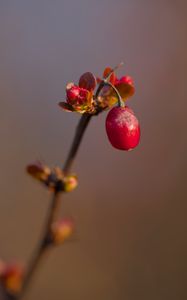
(130, 208)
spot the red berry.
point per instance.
(122, 128)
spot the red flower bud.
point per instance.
(122, 128)
(79, 99)
(72, 92)
(76, 95)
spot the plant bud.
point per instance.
(78, 99)
(38, 171)
(72, 92)
(62, 230)
(70, 183)
(11, 277)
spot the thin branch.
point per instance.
(45, 244)
(53, 211)
(83, 123)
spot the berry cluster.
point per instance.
(122, 126)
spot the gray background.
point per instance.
(130, 208)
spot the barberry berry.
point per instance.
(122, 128)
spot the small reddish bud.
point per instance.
(75, 95)
(72, 92)
(62, 230)
(122, 128)
(11, 277)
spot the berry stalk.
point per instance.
(120, 101)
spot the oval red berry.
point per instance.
(122, 128)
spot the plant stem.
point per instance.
(53, 211)
(83, 123)
(44, 243)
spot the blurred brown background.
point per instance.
(130, 208)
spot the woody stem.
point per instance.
(44, 244)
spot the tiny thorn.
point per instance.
(118, 66)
